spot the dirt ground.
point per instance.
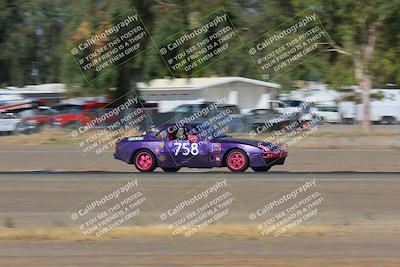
(360, 227)
(332, 148)
(67, 157)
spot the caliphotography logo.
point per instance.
(209, 205)
(98, 216)
(297, 39)
(197, 46)
(290, 211)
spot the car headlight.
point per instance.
(266, 153)
(264, 149)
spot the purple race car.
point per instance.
(172, 147)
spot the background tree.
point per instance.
(34, 36)
(30, 39)
(357, 28)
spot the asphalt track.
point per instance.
(363, 212)
(67, 157)
(187, 173)
(26, 196)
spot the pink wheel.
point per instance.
(237, 160)
(145, 161)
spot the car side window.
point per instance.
(161, 134)
(180, 133)
(47, 112)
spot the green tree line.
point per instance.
(363, 45)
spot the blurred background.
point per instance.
(344, 102)
(352, 81)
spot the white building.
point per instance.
(246, 93)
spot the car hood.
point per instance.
(250, 142)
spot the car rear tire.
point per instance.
(145, 161)
(237, 160)
(261, 169)
(170, 169)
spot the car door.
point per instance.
(8, 123)
(185, 150)
(46, 116)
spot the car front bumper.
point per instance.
(259, 160)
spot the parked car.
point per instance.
(42, 116)
(191, 108)
(11, 123)
(233, 109)
(307, 111)
(236, 122)
(75, 115)
(286, 107)
(271, 119)
(171, 148)
(329, 114)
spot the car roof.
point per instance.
(167, 125)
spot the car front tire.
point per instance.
(237, 160)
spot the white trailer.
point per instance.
(381, 112)
(385, 111)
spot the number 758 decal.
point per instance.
(189, 148)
